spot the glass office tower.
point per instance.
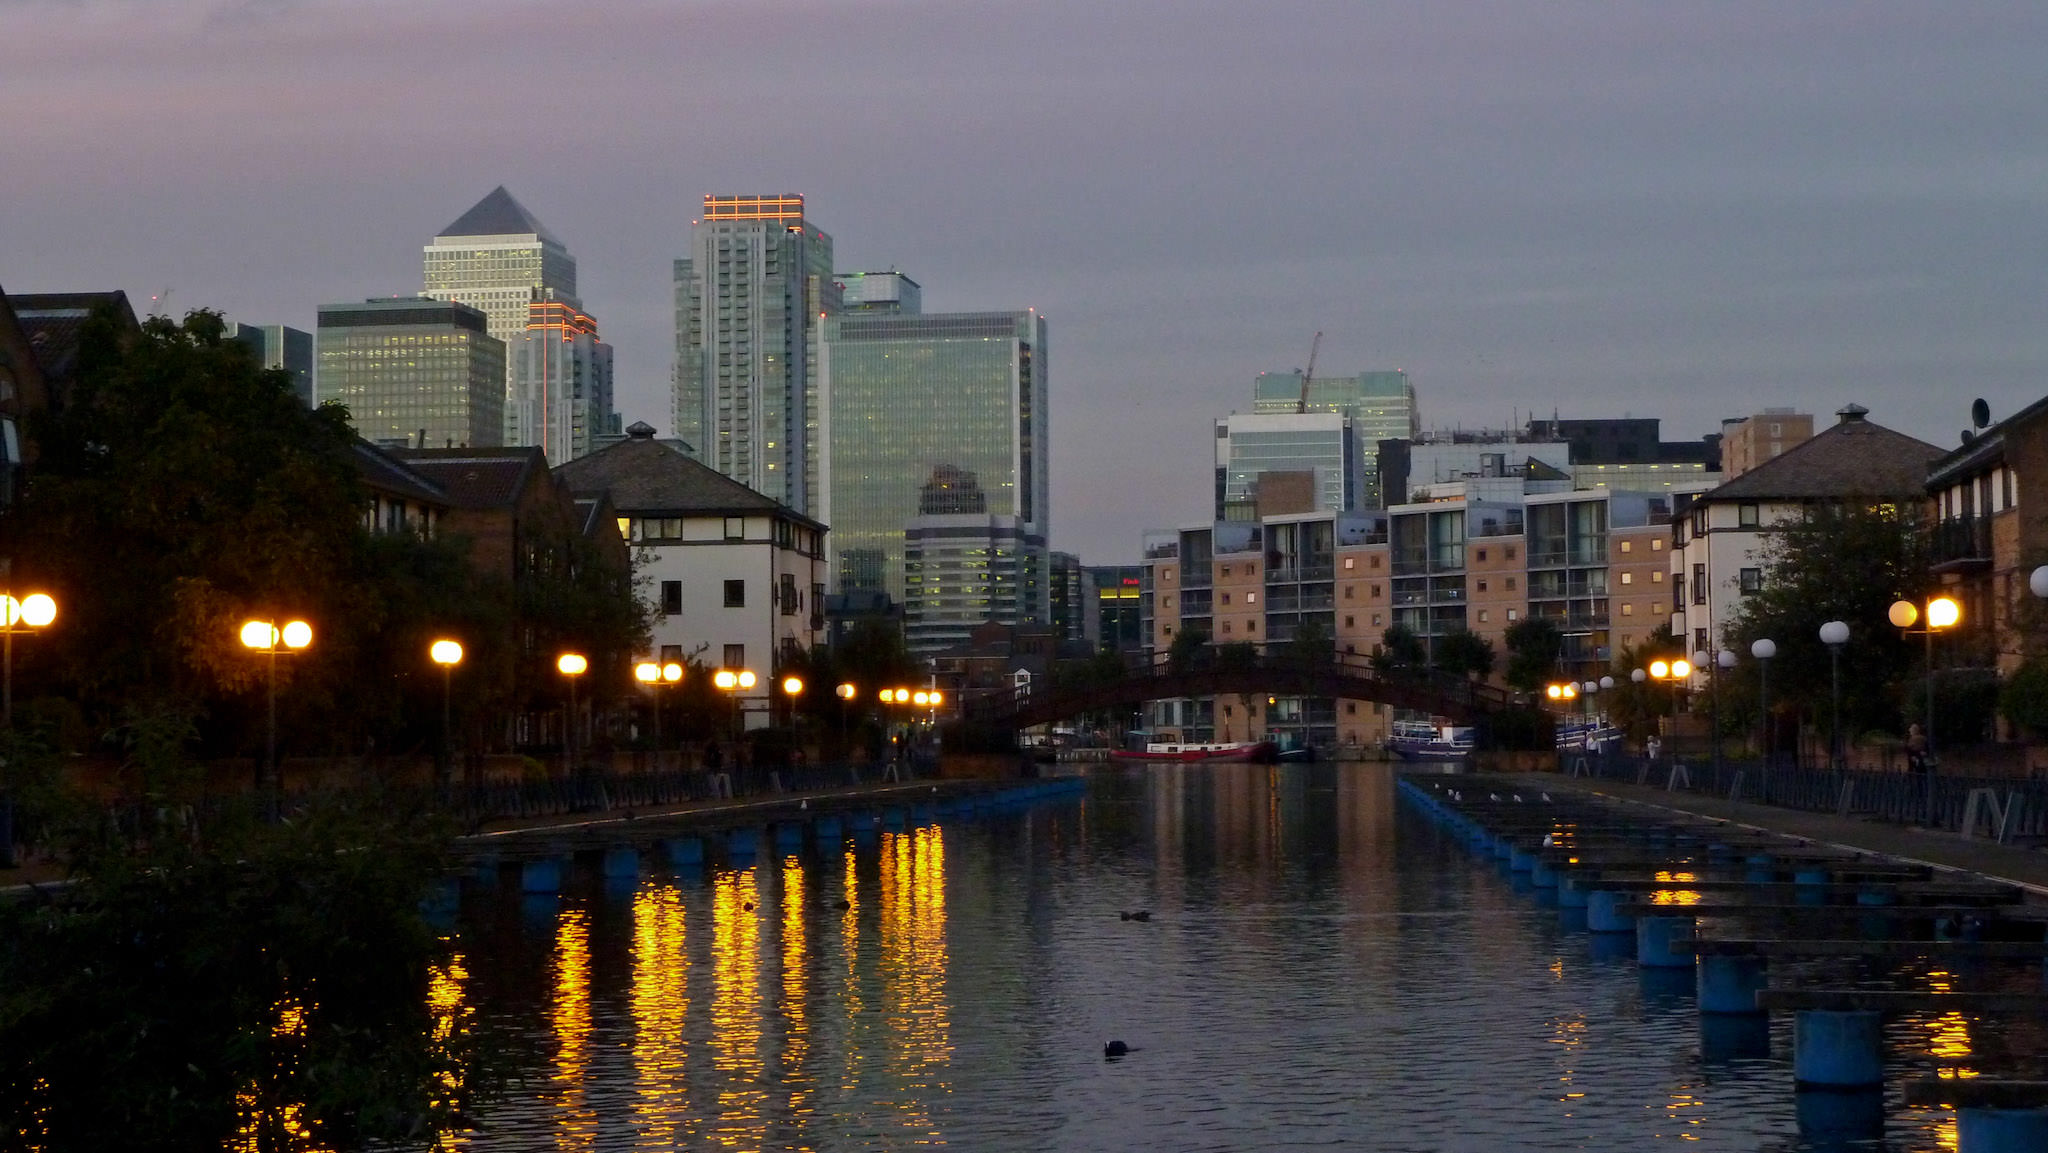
(910, 398)
(420, 373)
(561, 395)
(749, 301)
(1381, 406)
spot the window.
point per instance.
(671, 654)
(1657, 578)
(1167, 576)
(1482, 616)
(1750, 580)
(1169, 602)
(1628, 546)
(736, 594)
(1226, 628)
(1628, 609)
(672, 598)
(1482, 586)
(735, 528)
(1511, 586)
(1251, 598)
(1375, 560)
(1375, 620)
(1224, 571)
(1348, 622)
(1509, 552)
(1511, 614)
(1351, 708)
(790, 600)
(1226, 598)
(1348, 590)
(735, 657)
(1251, 626)
(1168, 630)
(1699, 584)
(1746, 515)
(1350, 562)
(1657, 544)
(1375, 590)
(1482, 556)
(1628, 578)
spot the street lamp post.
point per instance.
(1763, 649)
(1674, 671)
(1940, 613)
(36, 611)
(734, 682)
(654, 675)
(266, 638)
(1835, 634)
(447, 654)
(571, 665)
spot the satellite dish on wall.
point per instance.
(1980, 413)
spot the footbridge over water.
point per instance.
(1250, 671)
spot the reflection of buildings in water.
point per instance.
(911, 896)
(569, 1014)
(736, 1009)
(660, 995)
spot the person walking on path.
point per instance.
(1916, 750)
(1653, 747)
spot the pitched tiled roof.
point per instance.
(383, 472)
(476, 478)
(498, 215)
(53, 321)
(646, 476)
(1853, 458)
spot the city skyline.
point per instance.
(1688, 215)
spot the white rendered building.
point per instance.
(736, 579)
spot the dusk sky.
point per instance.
(1681, 211)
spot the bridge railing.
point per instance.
(1335, 674)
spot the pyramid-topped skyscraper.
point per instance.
(496, 257)
(499, 258)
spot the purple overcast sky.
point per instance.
(1682, 211)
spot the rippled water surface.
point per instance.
(1322, 969)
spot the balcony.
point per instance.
(1961, 544)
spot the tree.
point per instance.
(1312, 645)
(1533, 647)
(1399, 648)
(1187, 651)
(1465, 654)
(1846, 562)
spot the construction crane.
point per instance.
(1314, 347)
(161, 302)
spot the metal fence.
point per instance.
(2009, 808)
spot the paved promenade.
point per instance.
(2020, 866)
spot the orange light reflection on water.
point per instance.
(912, 900)
(661, 1008)
(741, 1121)
(795, 993)
(569, 1015)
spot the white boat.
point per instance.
(1435, 739)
